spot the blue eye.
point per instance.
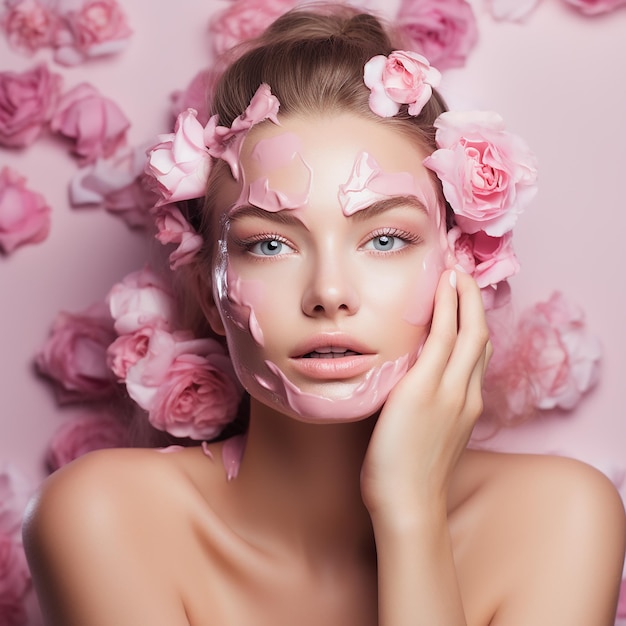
(270, 247)
(383, 242)
(386, 243)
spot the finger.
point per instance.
(473, 334)
(442, 337)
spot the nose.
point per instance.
(330, 290)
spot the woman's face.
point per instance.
(331, 247)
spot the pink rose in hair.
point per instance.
(488, 259)
(560, 355)
(244, 19)
(24, 214)
(140, 299)
(27, 101)
(401, 78)
(74, 355)
(174, 228)
(198, 398)
(14, 582)
(96, 124)
(595, 7)
(29, 24)
(444, 31)
(180, 162)
(488, 174)
(90, 28)
(88, 432)
(117, 184)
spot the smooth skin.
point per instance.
(388, 520)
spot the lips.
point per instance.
(332, 356)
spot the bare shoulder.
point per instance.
(101, 526)
(555, 530)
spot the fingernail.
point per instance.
(453, 280)
(460, 268)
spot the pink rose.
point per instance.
(180, 162)
(140, 299)
(488, 174)
(14, 582)
(90, 29)
(83, 434)
(595, 7)
(444, 31)
(29, 24)
(196, 95)
(174, 228)
(96, 124)
(149, 356)
(74, 355)
(488, 259)
(198, 398)
(401, 78)
(243, 20)
(27, 100)
(24, 214)
(14, 494)
(117, 184)
(561, 357)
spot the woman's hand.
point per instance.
(428, 418)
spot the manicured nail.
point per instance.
(453, 280)
(458, 267)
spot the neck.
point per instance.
(304, 480)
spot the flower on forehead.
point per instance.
(403, 77)
(225, 143)
(181, 162)
(488, 174)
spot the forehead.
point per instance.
(321, 154)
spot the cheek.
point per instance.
(422, 288)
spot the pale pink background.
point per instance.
(557, 79)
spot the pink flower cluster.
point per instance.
(14, 575)
(77, 30)
(489, 176)
(24, 214)
(444, 31)
(403, 77)
(180, 163)
(31, 100)
(561, 358)
(186, 385)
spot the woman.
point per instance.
(363, 345)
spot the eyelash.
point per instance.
(409, 238)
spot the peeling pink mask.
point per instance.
(244, 302)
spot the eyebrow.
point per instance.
(286, 216)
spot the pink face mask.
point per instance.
(327, 266)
